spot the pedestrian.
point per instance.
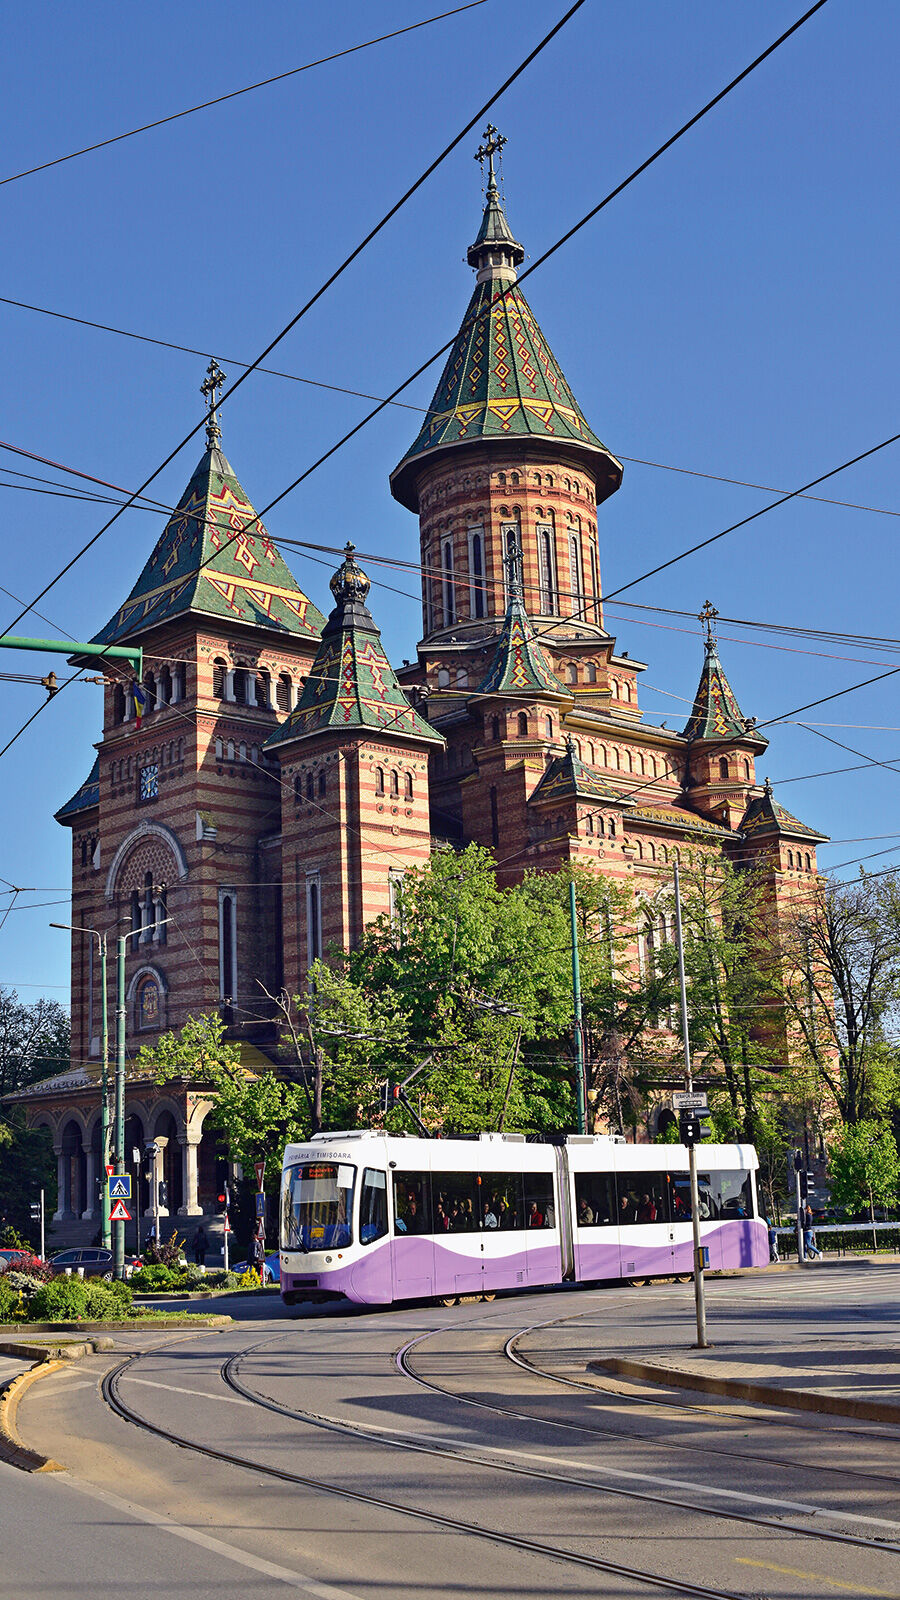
(774, 1257)
(200, 1246)
(809, 1239)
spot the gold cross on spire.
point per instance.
(493, 146)
(209, 388)
(708, 616)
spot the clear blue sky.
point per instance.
(735, 312)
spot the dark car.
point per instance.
(94, 1263)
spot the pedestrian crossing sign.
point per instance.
(120, 1186)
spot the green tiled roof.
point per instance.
(765, 815)
(680, 820)
(519, 666)
(246, 580)
(85, 797)
(501, 380)
(567, 778)
(716, 713)
(351, 683)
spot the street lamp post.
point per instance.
(104, 1078)
(699, 1295)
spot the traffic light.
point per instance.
(224, 1197)
(690, 1128)
(35, 1209)
(163, 1192)
(798, 1160)
(390, 1095)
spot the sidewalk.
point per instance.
(809, 1358)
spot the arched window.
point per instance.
(592, 755)
(651, 850)
(663, 853)
(118, 704)
(179, 682)
(746, 772)
(165, 687)
(723, 767)
(514, 479)
(601, 825)
(612, 828)
(150, 692)
(229, 750)
(242, 752)
(547, 568)
(549, 480)
(790, 858)
(408, 786)
(640, 849)
(629, 761)
(379, 780)
(576, 572)
(592, 672)
(239, 683)
(626, 691)
(614, 688)
(808, 864)
(443, 677)
(589, 823)
(571, 673)
(548, 727)
(219, 671)
(323, 783)
(448, 588)
(462, 678)
(395, 784)
(220, 750)
(284, 692)
(495, 728)
(523, 724)
(262, 688)
(477, 595)
(298, 788)
(653, 766)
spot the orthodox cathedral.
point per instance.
(257, 798)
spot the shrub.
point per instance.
(61, 1300)
(222, 1280)
(153, 1278)
(12, 1301)
(32, 1265)
(107, 1301)
(11, 1240)
(22, 1282)
(168, 1254)
(249, 1279)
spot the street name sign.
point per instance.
(120, 1212)
(690, 1100)
(120, 1186)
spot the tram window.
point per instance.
(373, 1222)
(643, 1197)
(540, 1211)
(317, 1206)
(456, 1198)
(595, 1199)
(412, 1202)
(501, 1197)
(680, 1189)
(732, 1193)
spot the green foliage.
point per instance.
(27, 1164)
(222, 1280)
(74, 1300)
(166, 1254)
(10, 1239)
(12, 1301)
(864, 1166)
(249, 1279)
(152, 1278)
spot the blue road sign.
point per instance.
(260, 1205)
(120, 1186)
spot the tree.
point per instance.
(840, 958)
(34, 1043)
(864, 1166)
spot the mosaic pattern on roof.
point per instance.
(501, 380)
(682, 821)
(519, 664)
(567, 778)
(765, 815)
(716, 713)
(85, 797)
(246, 580)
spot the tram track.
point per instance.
(110, 1389)
(229, 1371)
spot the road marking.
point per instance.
(206, 1541)
(195, 1394)
(464, 1452)
(816, 1577)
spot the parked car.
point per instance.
(94, 1263)
(9, 1257)
(271, 1273)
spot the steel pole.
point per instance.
(801, 1243)
(43, 1244)
(699, 1288)
(580, 1084)
(119, 1230)
(104, 1097)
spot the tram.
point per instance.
(379, 1218)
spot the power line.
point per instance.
(811, 704)
(234, 94)
(324, 287)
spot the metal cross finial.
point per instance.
(708, 616)
(513, 564)
(209, 388)
(493, 146)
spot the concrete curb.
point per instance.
(47, 1350)
(12, 1450)
(743, 1389)
(187, 1319)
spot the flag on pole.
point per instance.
(139, 695)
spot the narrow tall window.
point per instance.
(576, 575)
(723, 766)
(379, 780)
(395, 900)
(595, 581)
(395, 785)
(523, 724)
(227, 954)
(512, 545)
(408, 786)
(284, 697)
(495, 819)
(547, 570)
(448, 590)
(313, 918)
(477, 595)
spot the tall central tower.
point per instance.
(505, 460)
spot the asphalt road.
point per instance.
(403, 1453)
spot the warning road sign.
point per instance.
(120, 1186)
(120, 1212)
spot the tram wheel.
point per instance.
(639, 1283)
(447, 1300)
(491, 1295)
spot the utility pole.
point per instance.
(699, 1287)
(119, 1229)
(580, 1084)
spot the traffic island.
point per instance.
(727, 1376)
(12, 1450)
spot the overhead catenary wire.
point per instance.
(234, 94)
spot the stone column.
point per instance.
(62, 1174)
(229, 685)
(90, 1184)
(189, 1145)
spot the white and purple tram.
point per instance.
(379, 1218)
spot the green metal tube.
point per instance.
(580, 1085)
(69, 647)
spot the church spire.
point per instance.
(716, 713)
(519, 666)
(495, 253)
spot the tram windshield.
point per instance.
(317, 1205)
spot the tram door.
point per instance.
(413, 1245)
